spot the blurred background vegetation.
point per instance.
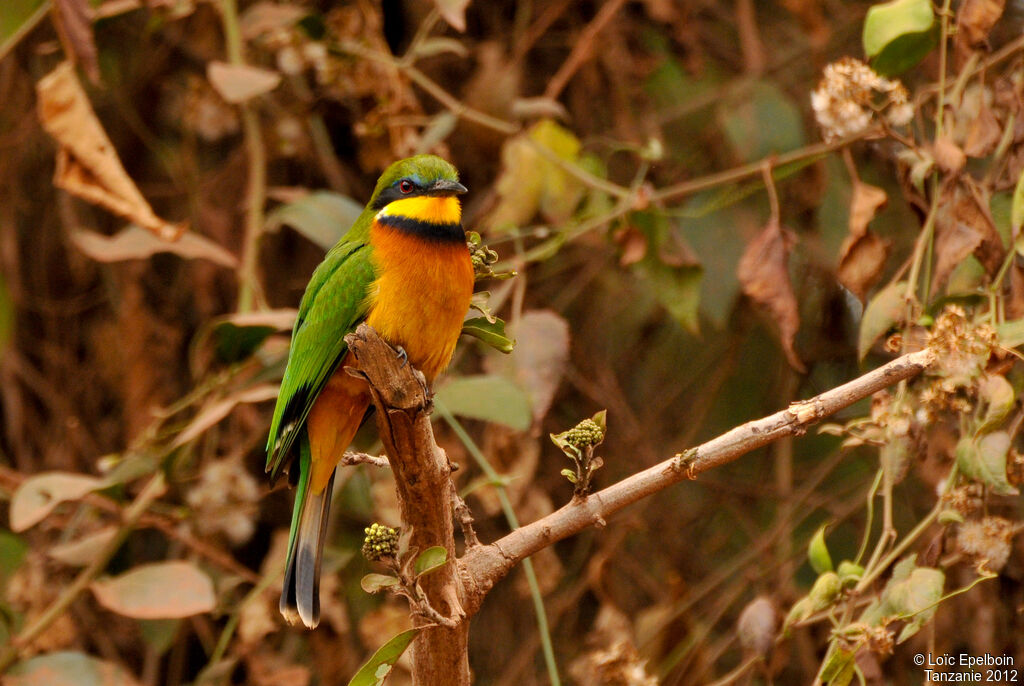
(654, 173)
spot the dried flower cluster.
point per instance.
(851, 94)
(224, 501)
(986, 541)
(963, 350)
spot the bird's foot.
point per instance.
(402, 355)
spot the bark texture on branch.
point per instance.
(422, 478)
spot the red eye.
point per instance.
(405, 185)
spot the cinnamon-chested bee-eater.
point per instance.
(405, 269)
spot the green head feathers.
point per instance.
(419, 175)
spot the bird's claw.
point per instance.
(402, 355)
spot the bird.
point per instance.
(405, 269)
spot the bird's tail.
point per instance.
(300, 597)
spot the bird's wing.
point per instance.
(334, 303)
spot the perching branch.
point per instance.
(484, 565)
(422, 476)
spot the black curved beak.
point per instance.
(445, 187)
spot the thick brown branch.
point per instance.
(482, 566)
(422, 479)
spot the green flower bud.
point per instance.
(380, 542)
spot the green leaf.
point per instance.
(377, 668)
(491, 333)
(12, 554)
(817, 552)
(884, 311)
(323, 217)
(68, 668)
(839, 666)
(912, 594)
(1017, 207)
(372, 583)
(849, 572)
(762, 122)
(159, 634)
(897, 35)
(670, 269)
(1011, 334)
(162, 590)
(532, 181)
(17, 19)
(488, 397)
(996, 395)
(570, 475)
(825, 590)
(984, 459)
(430, 559)
(6, 315)
(237, 336)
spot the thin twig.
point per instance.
(256, 184)
(582, 49)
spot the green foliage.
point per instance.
(764, 121)
(377, 668)
(898, 34)
(322, 216)
(817, 552)
(488, 397)
(912, 594)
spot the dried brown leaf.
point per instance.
(954, 241)
(135, 243)
(82, 551)
(764, 276)
(538, 361)
(865, 203)
(237, 83)
(974, 20)
(963, 227)
(162, 590)
(633, 244)
(861, 262)
(267, 17)
(87, 164)
(863, 254)
(37, 495)
(453, 12)
(73, 19)
(948, 155)
(983, 134)
(217, 410)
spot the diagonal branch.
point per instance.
(484, 565)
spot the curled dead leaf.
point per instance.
(763, 272)
(135, 243)
(962, 227)
(974, 20)
(87, 164)
(983, 134)
(863, 253)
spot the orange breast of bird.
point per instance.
(421, 295)
(419, 300)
